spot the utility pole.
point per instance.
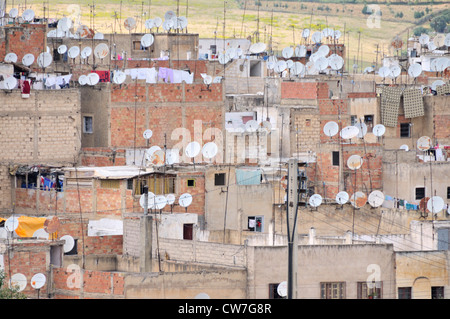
(292, 211)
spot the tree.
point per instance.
(439, 24)
(9, 293)
(419, 31)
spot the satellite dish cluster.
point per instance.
(158, 202)
(358, 130)
(252, 126)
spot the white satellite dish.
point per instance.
(157, 22)
(300, 51)
(280, 66)
(64, 24)
(167, 25)
(311, 68)
(170, 199)
(73, 52)
(424, 39)
(223, 58)
(321, 63)
(297, 68)
(18, 281)
(10, 83)
(93, 78)
(265, 126)
(257, 47)
(424, 143)
(69, 243)
(38, 281)
(376, 198)
(323, 50)
(151, 200)
(335, 61)
(158, 158)
(306, 33)
(147, 40)
(282, 289)
(289, 64)
(160, 202)
(442, 63)
(436, 84)
(13, 13)
(207, 79)
(202, 295)
(169, 15)
(209, 150)
(447, 42)
(337, 34)
(342, 198)
(439, 40)
(379, 130)
(149, 24)
(82, 79)
(384, 72)
(404, 147)
(368, 69)
(101, 50)
(11, 57)
(431, 46)
(11, 223)
(182, 22)
(99, 36)
(395, 70)
(119, 77)
(327, 32)
(251, 126)
(358, 199)
(185, 200)
(62, 49)
(86, 52)
(414, 70)
(331, 128)
(28, 59)
(435, 204)
(354, 162)
(362, 127)
(149, 152)
(41, 233)
(287, 52)
(315, 200)
(316, 37)
(349, 132)
(28, 15)
(129, 23)
(192, 149)
(147, 134)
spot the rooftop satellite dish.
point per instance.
(436, 84)
(101, 50)
(335, 61)
(209, 150)
(310, 68)
(300, 51)
(414, 70)
(442, 63)
(10, 83)
(358, 199)
(192, 149)
(349, 132)
(18, 281)
(424, 39)
(297, 68)
(315, 200)
(306, 33)
(151, 200)
(182, 22)
(251, 126)
(129, 23)
(147, 40)
(38, 281)
(149, 152)
(83, 79)
(379, 130)
(73, 52)
(397, 43)
(354, 162)
(384, 72)
(342, 198)
(69, 243)
(86, 52)
(395, 70)
(147, 134)
(321, 63)
(160, 202)
(149, 24)
(331, 128)
(282, 289)
(257, 47)
(119, 77)
(287, 52)
(337, 34)
(158, 158)
(172, 156)
(52, 224)
(431, 46)
(169, 15)
(435, 204)
(439, 40)
(424, 143)
(41, 234)
(376, 198)
(280, 66)
(207, 79)
(404, 147)
(11, 223)
(265, 126)
(64, 24)
(447, 42)
(99, 36)
(185, 200)
(62, 49)
(83, 31)
(316, 37)
(28, 15)
(368, 69)
(323, 50)
(362, 127)
(28, 59)
(223, 58)
(11, 57)
(170, 198)
(93, 78)
(202, 295)
(13, 13)
(157, 22)
(167, 25)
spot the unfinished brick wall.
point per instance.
(102, 156)
(305, 134)
(197, 191)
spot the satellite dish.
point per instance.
(11, 57)
(251, 126)
(158, 158)
(368, 69)
(119, 77)
(331, 128)
(223, 58)
(327, 32)
(362, 127)
(207, 79)
(431, 46)
(202, 295)
(62, 49)
(404, 147)
(129, 23)
(172, 156)
(160, 202)
(167, 25)
(358, 199)
(28, 15)
(321, 63)
(323, 50)
(170, 199)
(397, 43)
(300, 51)
(182, 22)
(354, 162)
(151, 200)
(439, 40)
(18, 281)
(150, 151)
(442, 63)
(435, 204)
(93, 78)
(185, 200)
(52, 225)
(384, 72)
(379, 130)
(13, 13)
(38, 281)
(395, 70)
(436, 84)
(349, 132)
(287, 52)
(149, 24)
(310, 68)
(376, 198)
(11, 224)
(41, 233)
(157, 22)
(424, 143)
(64, 24)
(447, 42)
(147, 40)
(209, 150)
(335, 61)
(192, 149)
(342, 198)
(305, 33)
(424, 39)
(316, 37)
(282, 289)
(315, 200)
(337, 34)
(257, 47)
(414, 70)
(265, 126)
(169, 15)
(69, 243)
(83, 31)
(297, 68)
(28, 59)
(147, 134)
(101, 50)
(86, 52)
(83, 79)
(280, 66)
(10, 83)
(73, 52)
(99, 36)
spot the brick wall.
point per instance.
(197, 192)
(299, 90)
(102, 156)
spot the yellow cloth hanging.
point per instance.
(28, 225)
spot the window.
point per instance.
(213, 48)
(188, 231)
(308, 122)
(448, 192)
(368, 120)
(353, 120)
(255, 68)
(404, 293)
(110, 183)
(157, 184)
(255, 223)
(437, 292)
(371, 291)
(442, 237)
(405, 130)
(332, 290)
(87, 124)
(191, 182)
(219, 179)
(420, 192)
(273, 292)
(335, 158)
(138, 46)
(130, 184)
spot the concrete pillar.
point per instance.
(145, 260)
